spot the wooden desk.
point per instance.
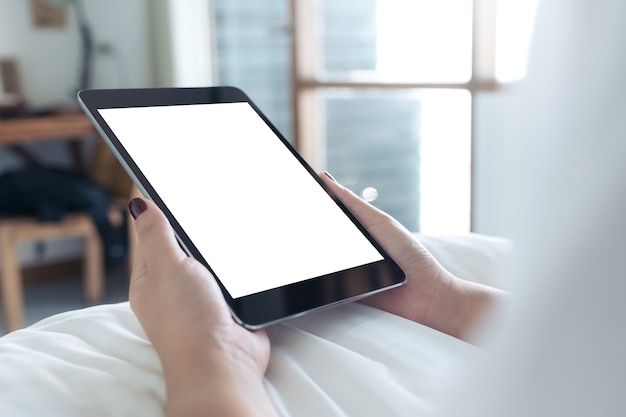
(48, 128)
(71, 127)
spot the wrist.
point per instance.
(208, 357)
(465, 307)
(225, 382)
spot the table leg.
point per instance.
(12, 295)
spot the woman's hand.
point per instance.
(432, 296)
(210, 363)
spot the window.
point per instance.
(378, 92)
(253, 52)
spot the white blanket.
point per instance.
(347, 361)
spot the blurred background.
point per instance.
(399, 99)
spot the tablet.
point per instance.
(241, 200)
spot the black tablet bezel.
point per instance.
(274, 305)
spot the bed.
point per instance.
(351, 360)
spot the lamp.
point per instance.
(86, 44)
(86, 39)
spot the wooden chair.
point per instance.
(18, 230)
(14, 231)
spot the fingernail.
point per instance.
(330, 176)
(136, 207)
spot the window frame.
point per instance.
(305, 82)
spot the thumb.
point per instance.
(367, 214)
(154, 233)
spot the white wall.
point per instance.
(49, 58)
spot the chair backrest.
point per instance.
(106, 171)
(11, 97)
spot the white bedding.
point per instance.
(347, 361)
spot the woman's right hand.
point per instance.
(211, 364)
(432, 296)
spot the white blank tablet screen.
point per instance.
(255, 214)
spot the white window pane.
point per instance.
(446, 152)
(515, 21)
(397, 40)
(408, 153)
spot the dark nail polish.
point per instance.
(136, 207)
(330, 176)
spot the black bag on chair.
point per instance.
(48, 193)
